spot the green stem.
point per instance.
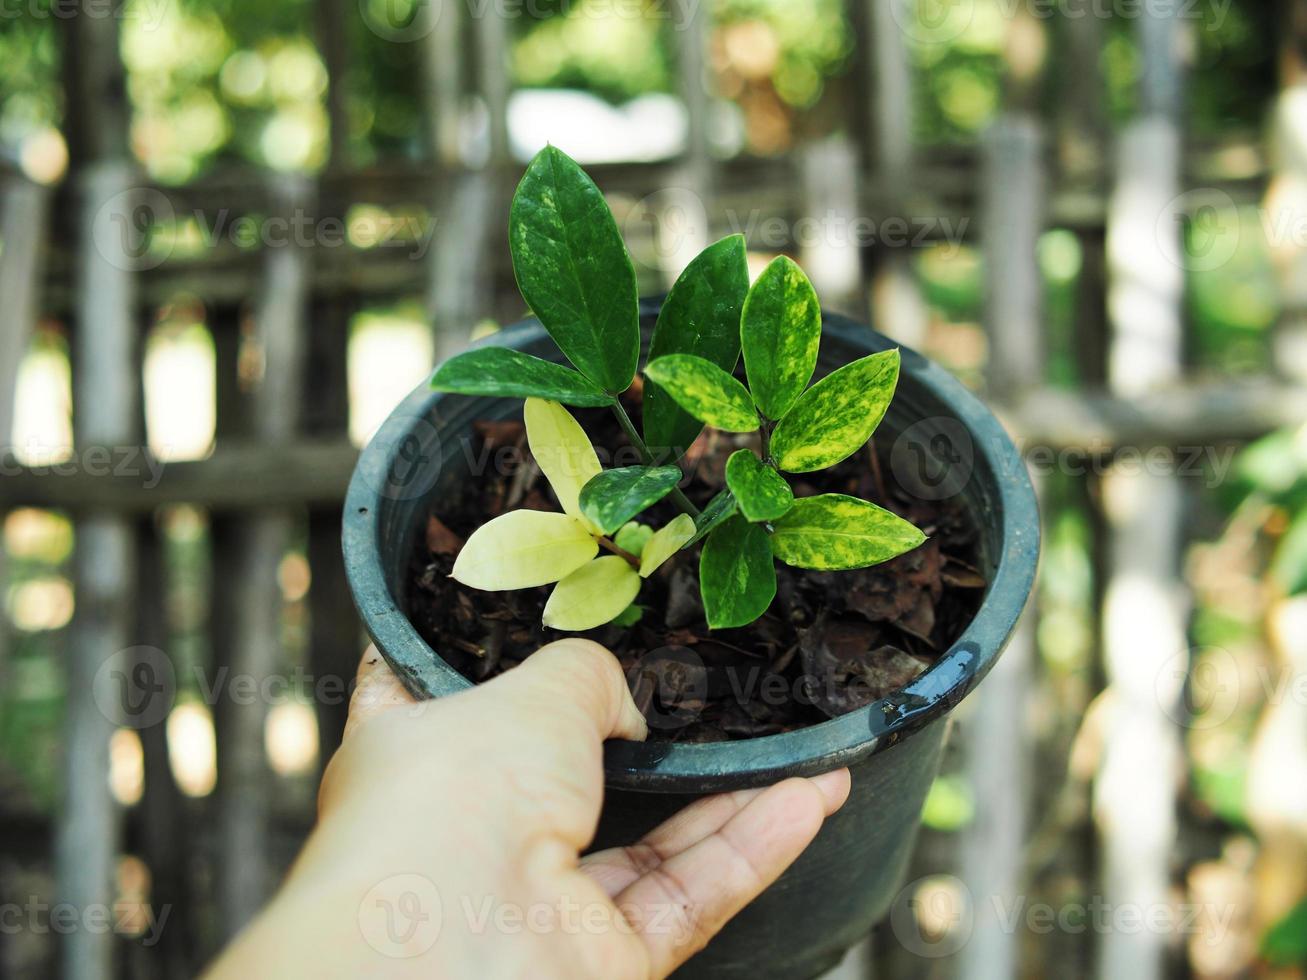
(764, 437)
(676, 496)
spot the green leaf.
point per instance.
(592, 595)
(832, 531)
(633, 537)
(508, 373)
(1285, 943)
(615, 496)
(573, 269)
(629, 616)
(705, 391)
(780, 331)
(524, 548)
(736, 574)
(667, 541)
(762, 493)
(719, 509)
(1289, 565)
(837, 415)
(700, 316)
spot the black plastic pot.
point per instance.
(944, 443)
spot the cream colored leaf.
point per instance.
(592, 595)
(524, 548)
(564, 453)
(666, 541)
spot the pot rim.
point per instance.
(719, 766)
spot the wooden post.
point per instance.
(998, 756)
(104, 414)
(244, 779)
(898, 308)
(1144, 607)
(334, 628)
(829, 249)
(23, 207)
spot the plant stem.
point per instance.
(608, 545)
(764, 437)
(676, 496)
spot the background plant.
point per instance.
(574, 271)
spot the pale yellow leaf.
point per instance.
(564, 453)
(524, 548)
(592, 595)
(666, 541)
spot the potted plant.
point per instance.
(773, 620)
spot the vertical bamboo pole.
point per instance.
(105, 414)
(244, 779)
(1144, 606)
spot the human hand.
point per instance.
(450, 836)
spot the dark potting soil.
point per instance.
(830, 643)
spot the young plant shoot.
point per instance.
(574, 272)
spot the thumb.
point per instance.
(581, 678)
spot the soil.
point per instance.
(832, 642)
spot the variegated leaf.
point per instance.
(705, 391)
(762, 493)
(780, 331)
(836, 416)
(832, 531)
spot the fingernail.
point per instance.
(834, 786)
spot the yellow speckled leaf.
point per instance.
(666, 541)
(835, 417)
(592, 595)
(831, 531)
(564, 453)
(524, 548)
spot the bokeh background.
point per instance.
(234, 234)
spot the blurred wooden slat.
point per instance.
(23, 207)
(244, 778)
(1144, 610)
(998, 756)
(106, 188)
(316, 471)
(897, 306)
